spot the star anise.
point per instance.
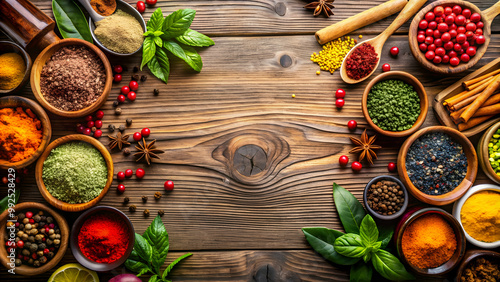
(365, 146)
(319, 6)
(147, 151)
(118, 140)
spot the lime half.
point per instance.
(73, 272)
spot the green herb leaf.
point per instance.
(322, 239)
(156, 21)
(177, 23)
(154, 278)
(350, 245)
(70, 20)
(157, 237)
(389, 266)
(193, 59)
(158, 41)
(137, 266)
(367, 257)
(4, 203)
(175, 49)
(194, 38)
(361, 272)
(148, 50)
(350, 210)
(143, 248)
(170, 266)
(376, 246)
(160, 65)
(368, 231)
(158, 33)
(147, 33)
(385, 235)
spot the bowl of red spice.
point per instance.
(71, 78)
(431, 242)
(102, 238)
(25, 132)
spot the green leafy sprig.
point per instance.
(362, 243)
(70, 20)
(150, 251)
(172, 35)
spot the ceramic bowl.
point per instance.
(127, 8)
(16, 101)
(409, 79)
(452, 262)
(378, 215)
(457, 208)
(75, 249)
(8, 47)
(473, 254)
(483, 155)
(42, 59)
(26, 269)
(461, 189)
(39, 169)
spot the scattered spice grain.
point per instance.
(156, 92)
(361, 62)
(144, 199)
(385, 197)
(158, 195)
(129, 121)
(161, 212)
(111, 128)
(333, 53)
(118, 111)
(132, 208)
(135, 77)
(126, 200)
(144, 78)
(146, 212)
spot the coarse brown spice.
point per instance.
(385, 197)
(481, 269)
(132, 208)
(157, 195)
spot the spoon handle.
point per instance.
(490, 13)
(93, 14)
(408, 11)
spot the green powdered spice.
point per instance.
(393, 105)
(120, 32)
(75, 172)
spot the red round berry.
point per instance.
(437, 60)
(151, 2)
(431, 47)
(98, 123)
(339, 103)
(120, 188)
(129, 173)
(480, 25)
(98, 133)
(99, 114)
(432, 25)
(386, 67)
(457, 9)
(430, 55)
(145, 132)
(465, 58)
(466, 13)
(391, 167)
(423, 24)
(429, 40)
(121, 98)
(117, 77)
(480, 39)
(169, 185)
(80, 128)
(442, 27)
(429, 16)
(352, 124)
(460, 20)
(420, 38)
(131, 96)
(117, 69)
(476, 17)
(471, 51)
(46, 251)
(340, 93)
(120, 175)
(394, 51)
(439, 11)
(343, 160)
(141, 7)
(32, 220)
(140, 173)
(422, 47)
(440, 51)
(356, 166)
(87, 131)
(137, 136)
(20, 244)
(90, 124)
(133, 85)
(29, 214)
(446, 59)
(454, 61)
(89, 118)
(125, 90)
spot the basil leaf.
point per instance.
(154, 278)
(361, 272)
(350, 210)
(385, 235)
(170, 266)
(70, 20)
(376, 246)
(350, 245)
(368, 231)
(147, 33)
(322, 239)
(137, 266)
(4, 203)
(155, 21)
(159, 65)
(158, 33)
(158, 41)
(175, 49)
(177, 23)
(194, 38)
(193, 59)
(157, 237)
(143, 248)
(134, 256)
(148, 50)
(389, 266)
(367, 257)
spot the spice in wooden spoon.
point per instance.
(104, 7)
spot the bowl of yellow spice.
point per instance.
(478, 212)
(15, 65)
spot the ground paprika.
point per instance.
(361, 62)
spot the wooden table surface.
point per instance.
(241, 219)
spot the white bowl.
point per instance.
(457, 208)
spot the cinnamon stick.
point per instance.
(464, 95)
(463, 103)
(495, 99)
(466, 84)
(474, 106)
(473, 122)
(477, 84)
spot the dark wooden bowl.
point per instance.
(16, 101)
(45, 56)
(381, 216)
(26, 269)
(454, 260)
(487, 17)
(483, 155)
(408, 78)
(473, 254)
(461, 189)
(58, 203)
(7, 47)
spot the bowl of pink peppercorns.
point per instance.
(449, 36)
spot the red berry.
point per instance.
(169, 185)
(140, 173)
(89, 118)
(117, 69)
(151, 2)
(391, 167)
(466, 13)
(340, 93)
(480, 25)
(460, 20)
(442, 27)
(79, 128)
(34, 256)
(98, 123)
(129, 173)
(98, 133)
(479, 31)
(448, 10)
(20, 244)
(464, 58)
(32, 220)
(121, 98)
(421, 32)
(145, 132)
(480, 39)
(133, 85)
(471, 51)
(46, 251)
(457, 9)
(461, 38)
(343, 160)
(51, 226)
(99, 114)
(452, 54)
(120, 188)
(431, 47)
(439, 11)
(465, 45)
(422, 47)
(423, 24)
(454, 61)
(131, 96)
(356, 166)
(352, 124)
(430, 55)
(394, 51)
(117, 77)
(437, 34)
(125, 90)
(87, 131)
(421, 38)
(429, 16)
(476, 17)
(438, 42)
(386, 67)
(449, 20)
(440, 51)
(437, 60)
(453, 33)
(141, 7)
(432, 25)
(29, 214)
(137, 136)
(446, 59)
(429, 40)
(469, 35)
(120, 175)
(339, 103)
(90, 124)
(457, 47)
(461, 29)
(470, 27)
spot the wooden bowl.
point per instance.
(381, 216)
(483, 155)
(487, 17)
(8, 47)
(45, 56)
(452, 262)
(409, 79)
(58, 203)
(473, 254)
(16, 101)
(461, 189)
(26, 269)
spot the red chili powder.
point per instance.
(361, 61)
(103, 238)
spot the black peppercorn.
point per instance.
(43, 260)
(156, 92)
(126, 200)
(132, 208)
(50, 220)
(136, 69)
(129, 121)
(19, 262)
(116, 103)
(146, 212)
(158, 195)
(37, 218)
(121, 128)
(144, 78)
(144, 199)
(135, 77)
(36, 263)
(125, 68)
(21, 216)
(111, 128)
(161, 212)
(118, 111)
(126, 151)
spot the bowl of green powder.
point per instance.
(395, 104)
(74, 172)
(120, 34)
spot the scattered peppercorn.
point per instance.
(156, 92)
(132, 208)
(111, 128)
(118, 111)
(136, 69)
(135, 77)
(144, 199)
(333, 53)
(161, 212)
(121, 128)
(129, 121)
(126, 200)
(116, 103)
(385, 197)
(144, 78)
(126, 151)
(157, 195)
(146, 212)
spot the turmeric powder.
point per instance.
(480, 216)
(429, 241)
(20, 134)
(12, 68)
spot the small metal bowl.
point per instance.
(8, 47)
(127, 8)
(381, 216)
(75, 249)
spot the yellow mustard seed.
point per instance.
(360, 36)
(293, 95)
(318, 72)
(330, 58)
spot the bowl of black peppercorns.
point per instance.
(385, 197)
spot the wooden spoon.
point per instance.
(378, 42)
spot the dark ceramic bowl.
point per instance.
(473, 254)
(381, 216)
(75, 249)
(8, 47)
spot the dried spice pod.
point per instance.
(365, 146)
(147, 151)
